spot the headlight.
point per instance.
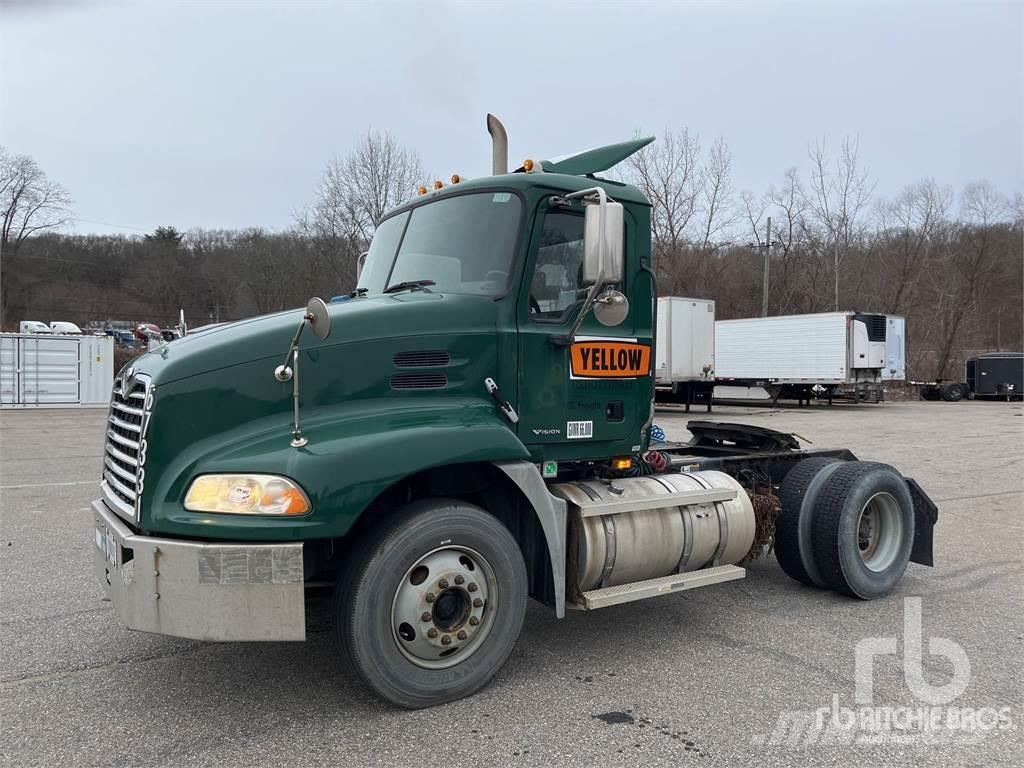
(246, 495)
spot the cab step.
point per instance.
(675, 582)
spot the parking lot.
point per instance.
(703, 678)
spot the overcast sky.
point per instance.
(223, 114)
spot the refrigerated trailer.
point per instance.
(799, 356)
(684, 350)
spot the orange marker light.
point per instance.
(421, 190)
(438, 184)
(527, 165)
(622, 463)
(456, 178)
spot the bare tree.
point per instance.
(29, 203)
(668, 173)
(908, 226)
(836, 203)
(717, 207)
(357, 190)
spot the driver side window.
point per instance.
(557, 283)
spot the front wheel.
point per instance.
(432, 606)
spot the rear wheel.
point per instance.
(952, 392)
(433, 606)
(863, 529)
(799, 490)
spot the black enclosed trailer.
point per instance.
(996, 374)
(989, 375)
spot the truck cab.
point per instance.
(467, 430)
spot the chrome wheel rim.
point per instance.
(879, 532)
(443, 608)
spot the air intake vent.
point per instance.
(875, 325)
(419, 381)
(422, 358)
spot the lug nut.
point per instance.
(431, 597)
(442, 584)
(472, 587)
(459, 579)
(477, 602)
(431, 633)
(446, 640)
(426, 616)
(473, 621)
(461, 635)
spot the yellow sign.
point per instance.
(610, 359)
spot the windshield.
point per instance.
(464, 244)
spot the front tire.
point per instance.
(430, 609)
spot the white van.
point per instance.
(33, 326)
(58, 326)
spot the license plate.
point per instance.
(106, 544)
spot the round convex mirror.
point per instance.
(611, 308)
(318, 317)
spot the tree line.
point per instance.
(951, 262)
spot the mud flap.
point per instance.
(925, 516)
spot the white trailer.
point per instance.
(684, 350)
(799, 355)
(56, 371)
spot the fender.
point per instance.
(380, 441)
(551, 511)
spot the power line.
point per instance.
(109, 224)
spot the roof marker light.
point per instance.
(421, 190)
(456, 178)
(528, 165)
(438, 184)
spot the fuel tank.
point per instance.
(638, 528)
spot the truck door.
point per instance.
(590, 399)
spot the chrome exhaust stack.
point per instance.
(499, 146)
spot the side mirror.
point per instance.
(602, 261)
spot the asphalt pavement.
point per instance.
(727, 675)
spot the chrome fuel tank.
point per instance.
(639, 528)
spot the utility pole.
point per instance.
(768, 244)
(767, 267)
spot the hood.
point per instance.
(364, 319)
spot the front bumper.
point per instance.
(200, 590)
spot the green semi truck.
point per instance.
(471, 428)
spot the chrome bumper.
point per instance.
(200, 590)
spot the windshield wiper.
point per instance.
(416, 285)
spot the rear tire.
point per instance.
(418, 583)
(952, 393)
(863, 529)
(799, 490)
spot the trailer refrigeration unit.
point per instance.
(684, 351)
(801, 356)
(469, 430)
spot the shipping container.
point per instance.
(51, 370)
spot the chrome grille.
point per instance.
(125, 451)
